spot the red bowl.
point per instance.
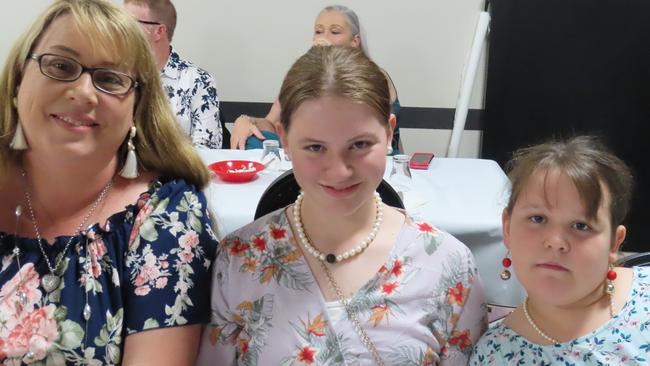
(236, 170)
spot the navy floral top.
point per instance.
(147, 267)
(193, 97)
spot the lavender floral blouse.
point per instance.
(149, 268)
(624, 340)
(424, 306)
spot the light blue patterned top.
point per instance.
(193, 97)
(624, 340)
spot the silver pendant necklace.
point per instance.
(22, 296)
(303, 239)
(52, 280)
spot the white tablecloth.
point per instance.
(464, 197)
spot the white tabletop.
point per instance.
(464, 197)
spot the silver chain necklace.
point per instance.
(356, 324)
(352, 315)
(52, 280)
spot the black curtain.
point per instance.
(558, 68)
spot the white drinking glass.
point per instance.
(400, 175)
(271, 154)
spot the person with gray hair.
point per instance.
(191, 90)
(335, 25)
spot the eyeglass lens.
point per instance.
(66, 69)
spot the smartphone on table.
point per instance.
(420, 160)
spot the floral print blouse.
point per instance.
(147, 267)
(624, 340)
(193, 97)
(424, 306)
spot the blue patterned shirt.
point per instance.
(624, 340)
(193, 96)
(147, 267)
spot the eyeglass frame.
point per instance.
(148, 22)
(90, 70)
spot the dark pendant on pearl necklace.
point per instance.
(330, 258)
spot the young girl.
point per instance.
(338, 277)
(563, 229)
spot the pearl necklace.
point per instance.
(549, 338)
(332, 258)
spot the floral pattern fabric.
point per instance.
(624, 340)
(424, 306)
(147, 267)
(193, 97)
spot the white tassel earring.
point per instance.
(18, 142)
(130, 169)
(389, 150)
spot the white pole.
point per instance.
(462, 105)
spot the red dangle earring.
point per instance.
(506, 262)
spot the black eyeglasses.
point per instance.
(66, 69)
(148, 22)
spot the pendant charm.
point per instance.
(87, 312)
(23, 298)
(330, 258)
(50, 282)
(29, 356)
(505, 275)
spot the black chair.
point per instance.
(225, 134)
(638, 259)
(284, 190)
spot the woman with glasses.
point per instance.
(105, 239)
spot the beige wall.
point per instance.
(248, 45)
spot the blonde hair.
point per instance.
(335, 71)
(587, 162)
(160, 144)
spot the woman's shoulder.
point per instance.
(173, 194)
(152, 191)
(162, 205)
(640, 283)
(496, 332)
(166, 186)
(642, 275)
(494, 344)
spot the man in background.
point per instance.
(191, 90)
